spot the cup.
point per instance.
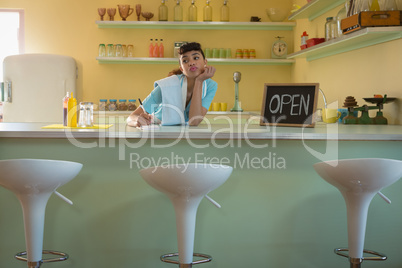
(111, 12)
(216, 106)
(215, 53)
(125, 11)
(86, 115)
(228, 53)
(330, 115)
(246, 54)
(224, 106)
(344, 112)
(222, 53)
(252, 54)
(101, 12)
(239, 53)
(124, 50)
(130, 51)
(207, 52)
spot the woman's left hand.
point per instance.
(209, 72)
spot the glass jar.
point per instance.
(112, 105)
(334, 28)
(328, 28)
(102, 50)
(110, 50)
(119, 50)
(131, 105)
(103, 105)
(342, 14)
(122, 105)
(130, 51)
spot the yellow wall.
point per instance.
(68, 28)
(359, 73)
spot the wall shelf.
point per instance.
(124, 60)
(315, 9)
(272, 26)
(359, 39)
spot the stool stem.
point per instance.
(186, 212)
(34, 264)
(33, 208)
(355, 262)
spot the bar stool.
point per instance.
(33, 181)
(359, 180)
(186, 185)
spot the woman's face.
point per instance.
(192, 63)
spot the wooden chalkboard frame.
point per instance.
(312, 90)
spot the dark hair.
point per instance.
(186, 48)
(190, 47)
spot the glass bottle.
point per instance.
(342, 14)
(178, 11)
(163, 11)
(151, 48)
(334, 28)
(161, 50)
(375, 6)
(388, 5)
(192, 11)
(131, 105)
(225, 11)
(328, 27)
(156, 49)
(364, 5)
(208, 12)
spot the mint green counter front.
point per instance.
(276, 211)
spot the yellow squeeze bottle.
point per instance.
(72, 112)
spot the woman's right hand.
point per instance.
(144, 119)
(139, 118)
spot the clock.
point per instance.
(279, 49)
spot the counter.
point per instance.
(212, 131)
(276, 211)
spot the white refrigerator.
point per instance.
(34, 86)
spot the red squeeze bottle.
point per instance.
(161, 50)
(151, 48)
(65, 108)
(156, 49)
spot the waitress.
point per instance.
(183, 97)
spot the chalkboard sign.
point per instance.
(289, 104)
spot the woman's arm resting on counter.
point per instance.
(139, 118)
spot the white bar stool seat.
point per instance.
(186, 186)
(33, 181)
(359, 180)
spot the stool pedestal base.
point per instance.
(165, 258)
(356, 262)
(37, 264)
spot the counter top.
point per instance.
(212, 131)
